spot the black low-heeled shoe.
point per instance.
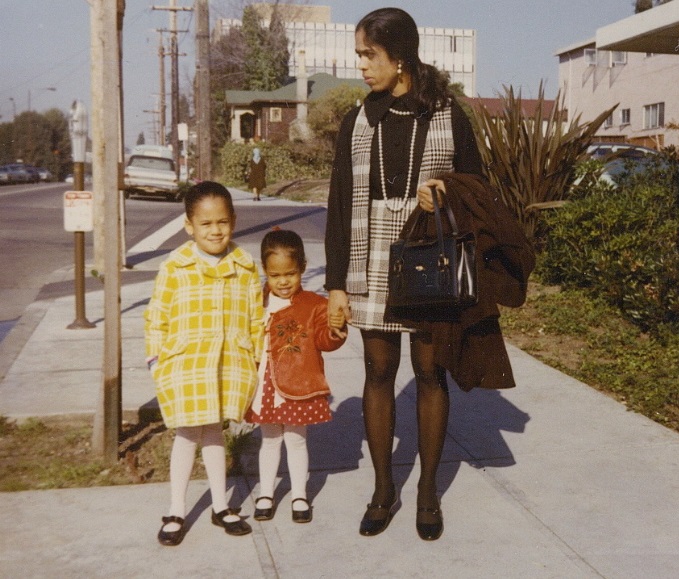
(374, 526)
(171, 538)
(264, 514)
(301, 516)
(430, 531)
(237, 528)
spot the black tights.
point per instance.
(382, 351)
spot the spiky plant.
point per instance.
(532, 160)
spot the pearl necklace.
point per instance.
(396, 204)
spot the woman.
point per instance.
(409, 130)
(257, 174)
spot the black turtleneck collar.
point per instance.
(377, 104)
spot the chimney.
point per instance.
(302, 87)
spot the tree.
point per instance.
(266, 54)
(326, 113)
(643, 5)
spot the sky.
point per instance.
(44, 45)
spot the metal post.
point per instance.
(81, 322)
(78, 129)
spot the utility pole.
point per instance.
(161, 56)
(173, 9)
(105, 83)
(203, 90)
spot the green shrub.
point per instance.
(284, 162)
(622, 245)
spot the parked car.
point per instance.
(622, 159)
(605, 150)
(17, 173)
(4, 176)
(151, 175)
(44, 174)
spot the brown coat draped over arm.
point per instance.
(470, 344)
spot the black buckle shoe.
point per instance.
(301, 516)
(237, 528)
(430, 531)
(370, 525)
(264, 514)
(171, 538)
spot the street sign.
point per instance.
(78, 211)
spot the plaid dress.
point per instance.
(374, 225)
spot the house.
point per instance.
(271, 115)
(633, 63)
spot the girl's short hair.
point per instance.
(286, 241)
(206, 189)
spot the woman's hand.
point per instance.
(424, 197)
(339, 313)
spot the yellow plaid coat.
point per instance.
(205, 323)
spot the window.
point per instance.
(609, 121)
(618, 58)
(625, 117)
(275, 114)
(654, 116)
(590, 56)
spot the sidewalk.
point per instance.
(550, 479)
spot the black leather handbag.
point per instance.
(428, 276)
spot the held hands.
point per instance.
(339, 313)
(424, 193)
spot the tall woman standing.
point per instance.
(408, 131)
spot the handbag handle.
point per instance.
(437, 217)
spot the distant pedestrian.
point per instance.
(257, 173)
(204, 329)
(292, 391)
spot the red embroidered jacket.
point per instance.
(297, 336)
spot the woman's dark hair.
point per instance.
(206, 189)
(286, 241)
(395, 30)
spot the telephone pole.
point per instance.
(202, 101)
(162, 113)
(105, 89)
(173, 9)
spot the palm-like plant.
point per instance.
(531, 161)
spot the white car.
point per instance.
(151, 175)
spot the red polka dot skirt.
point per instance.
(291, 412)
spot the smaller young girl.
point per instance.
(292, 391)
(204, 328)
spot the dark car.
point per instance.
(17, 173)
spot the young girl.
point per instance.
(292, 391)
(204, 329)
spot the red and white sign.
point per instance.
(78, 211)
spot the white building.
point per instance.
(329, 47)
(633, 63)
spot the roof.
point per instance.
(576, 46)
(319, 84)
(495, 106)
(655, 30)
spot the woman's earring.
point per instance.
(399, 68)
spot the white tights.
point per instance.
(273, 436)
(186, 440)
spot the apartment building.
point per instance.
(633, 63)
(328, 47)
